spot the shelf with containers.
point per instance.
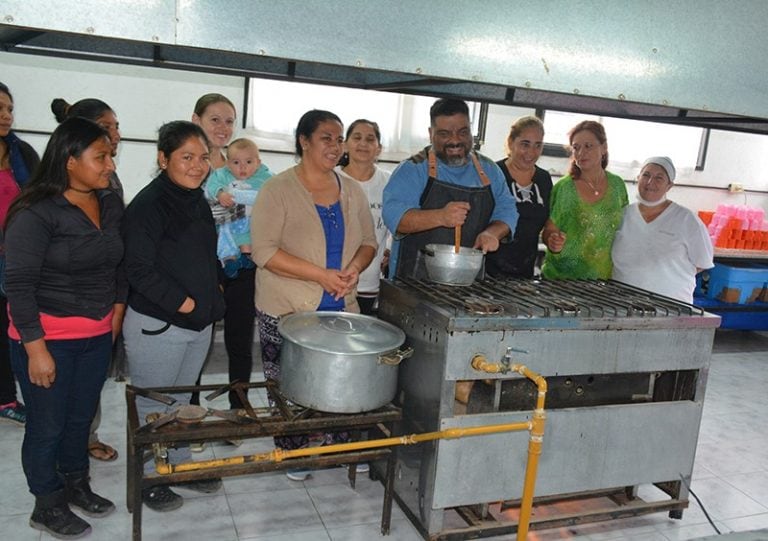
(736, 288)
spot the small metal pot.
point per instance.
(445, 266)
(339, 362)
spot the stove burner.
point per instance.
(529, 288)
(645, 308)
(191, 414)
(566, 307)
(476, 305)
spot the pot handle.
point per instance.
(396, 357)
(425, 251)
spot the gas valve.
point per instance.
(481, 364)
(507, 359)
(510, 349)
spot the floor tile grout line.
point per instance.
(726, 481)
(231, 514)
(319, 514)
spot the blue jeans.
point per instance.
(59, 418)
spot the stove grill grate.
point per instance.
(555, 298)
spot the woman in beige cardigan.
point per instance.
(311, 237)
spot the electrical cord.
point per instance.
(711, 522)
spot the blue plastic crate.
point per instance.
(751, 317)
(701, 284)
(736, 283)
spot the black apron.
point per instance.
(516, 257)
(436, 195)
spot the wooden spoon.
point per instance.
(457, 239)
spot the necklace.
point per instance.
(589, 183)
(78, 190)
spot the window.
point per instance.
(276, 106)
(631, 141)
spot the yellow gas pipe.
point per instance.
(479, 362)
(278, 454)
(535, 426)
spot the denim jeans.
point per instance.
(7, 382)
(59, 418)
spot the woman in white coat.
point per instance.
(660, 245)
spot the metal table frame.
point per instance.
(283, 419)
(491, 519)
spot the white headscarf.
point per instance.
(665, 163)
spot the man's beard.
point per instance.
(454, 160)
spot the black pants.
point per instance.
(238, 330)
(367, 305)
(7, 381)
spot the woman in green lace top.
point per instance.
(586, 207)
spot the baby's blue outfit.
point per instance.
(233, 224)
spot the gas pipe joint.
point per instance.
(481, 364)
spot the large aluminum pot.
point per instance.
(445, 266)
(339, 362)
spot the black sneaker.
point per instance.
(80, 495)
(52, 515)
(161, 498)
(206, 486)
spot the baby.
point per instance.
(232, 191)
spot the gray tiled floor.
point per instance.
(730, 477)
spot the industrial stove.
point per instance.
(626, 372)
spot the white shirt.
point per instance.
(662, 256)
(374, 189)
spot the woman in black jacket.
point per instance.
(17, 162)
(170, 261)
(63, 251)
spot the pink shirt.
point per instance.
(9, 189)
(68, 328)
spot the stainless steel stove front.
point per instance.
(628, 372)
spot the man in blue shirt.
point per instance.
(445, 185)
